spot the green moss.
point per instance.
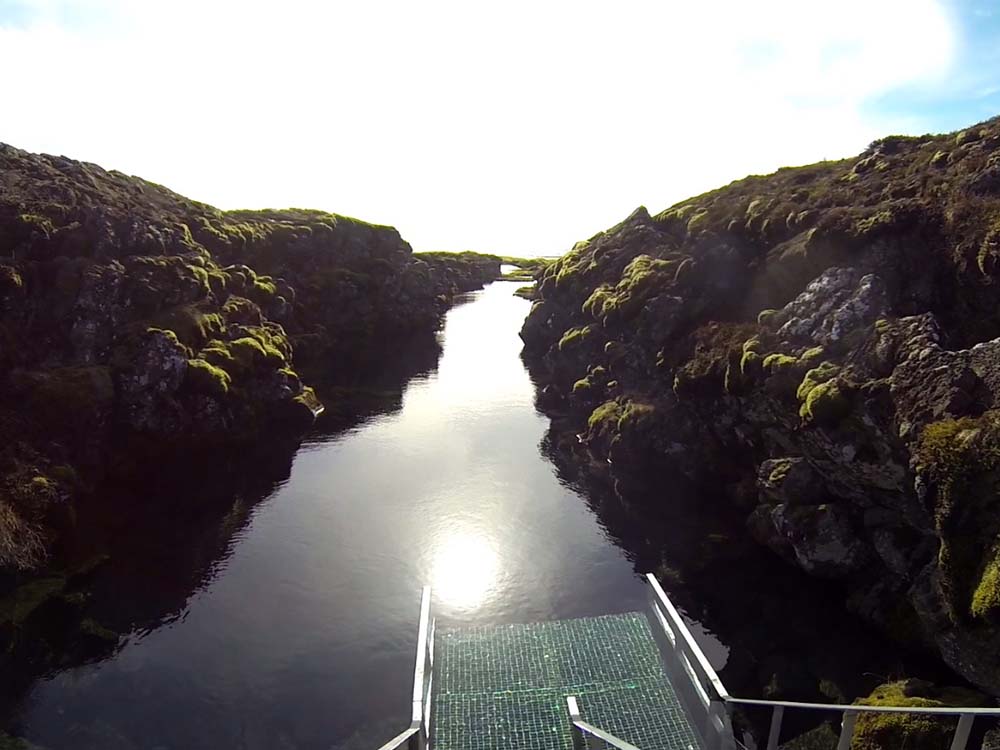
(752, 344)
(825, 404)
(264, 287)
(764, 317)
(751, 363)
(204, 377)
(217, 282)
(309, 399)
(532, 264)
(820, 374)
(634, 414)
(967, 136)
(574, 337)
(272, 337)
(961, 458)
(571, 266)
(640, 280)
(39, 223)
(874, 222)
(241, 310)
(594, 304)
(606, 414)
(191, 324)
(216, 352)
(201, 274)
(811, 356)
(519, 274)
(911, 731)
(250, 352)
(779, 472)
(986, 596)
(698, 222)
(775, 363)
(525, 292)
(582, 386)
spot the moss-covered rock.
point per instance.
(575, 337)
(917, 731)
(751, 364)
(986, 595)
(135, 322)
(605, 416)
(960, 457)
(203, 377)
(864, 288)
(825, 404)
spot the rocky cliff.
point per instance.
(137, 326)
(816, 350)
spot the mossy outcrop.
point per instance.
(136, 323)
(878, 731)
(839, 318)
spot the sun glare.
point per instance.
(465, 569)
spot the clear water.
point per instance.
(300, 632)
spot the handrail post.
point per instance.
(701, 687)
(962, 731)
(775, 733)
(847, 730)
(422, 676)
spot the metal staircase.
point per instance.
(632, 682)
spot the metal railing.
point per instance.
(583, 732)
(706, 700)
(417, 735)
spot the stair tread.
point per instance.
(505, 686)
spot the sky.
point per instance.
(513, 127)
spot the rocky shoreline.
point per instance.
(816, 351)
(140, 330)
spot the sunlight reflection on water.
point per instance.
(465, 570)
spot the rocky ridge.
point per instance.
(137, 326)
(817, 350)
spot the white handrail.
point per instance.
(417, 733)
(862, 708)
(691, 645)
(719, 729)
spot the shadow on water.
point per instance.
(141, 551)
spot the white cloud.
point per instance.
(518, 126)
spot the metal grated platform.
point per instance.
(506, 686)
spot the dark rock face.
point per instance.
(821, 348)
(135, 324)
